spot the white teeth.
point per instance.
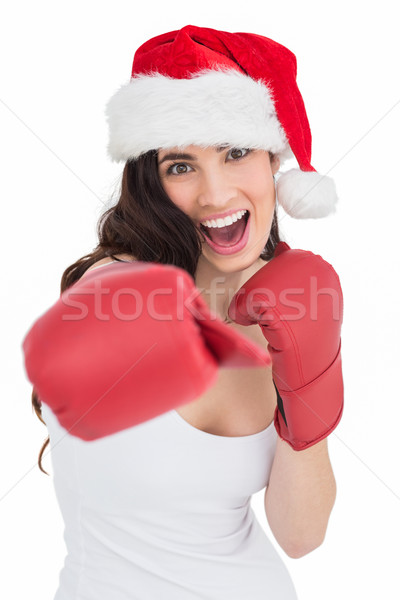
(225, 221)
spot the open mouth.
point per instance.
(228, 235)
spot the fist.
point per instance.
(127, 344)
(297, 300)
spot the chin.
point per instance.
(233, 263)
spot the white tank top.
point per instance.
(161, 511)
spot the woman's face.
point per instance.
(210, 183)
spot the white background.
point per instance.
(61, 61)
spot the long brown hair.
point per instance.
(148, 226)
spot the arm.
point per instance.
(300, 497)
(305, 345)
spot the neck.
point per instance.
(218, 287)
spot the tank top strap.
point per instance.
(105, 264)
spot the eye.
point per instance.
(178, 169)
(237, 153)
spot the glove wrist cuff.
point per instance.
(308, 415)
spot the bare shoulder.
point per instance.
(107, 260)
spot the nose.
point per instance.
(216, 190)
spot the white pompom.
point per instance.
(306, 194)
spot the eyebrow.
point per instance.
(183, 156)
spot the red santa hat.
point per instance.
(211, 88)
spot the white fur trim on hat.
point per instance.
(213, 108)
(306, 195)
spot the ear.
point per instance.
(275, 164)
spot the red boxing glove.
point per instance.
(127, 344)
(303, 334)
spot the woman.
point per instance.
(156, 454)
